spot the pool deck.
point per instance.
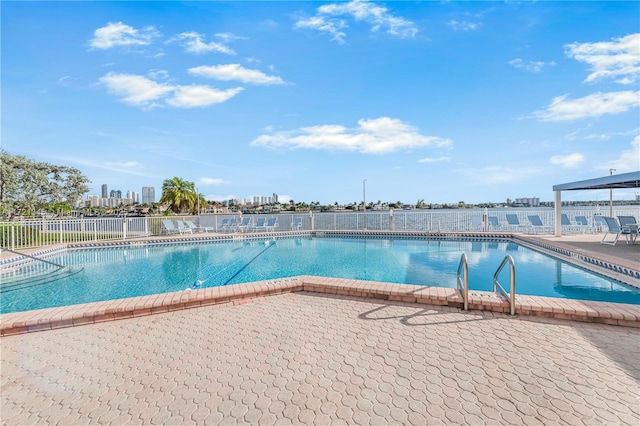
(313, 350)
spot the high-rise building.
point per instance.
(133, 196)
(104, 191)
(148, 195)
(115, 193)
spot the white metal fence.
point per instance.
(41, 232)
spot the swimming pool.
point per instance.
(112, 273)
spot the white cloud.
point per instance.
(64, 81)
(230, 72)
(463, 25)
(200, 96)
(594, 105)
(125, 164)
(135, 89)
(141, 91)
(118, 34)
(434, 160)
(193, 43)
(531, 66)
(618, 59)
(333, 26)
(371, 136)
(379, 17)
(158, 74)
(628, 161)
(568, 161)
(229, 37)
(210, 181)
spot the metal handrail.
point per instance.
(511, 296)
(463, 285)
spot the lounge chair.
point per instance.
(233, 225)
(536, 224)
(297, 223)
(272, 224)
(260, 225)
(599, 223)
(614, 228)
(494, 224)
(182, 228)
(567, 226)
(245, 224)
(169, 228)
(513, 223)
(629, 223)
(583, 224)
(476, 223)
(195, 228)
(224, 225)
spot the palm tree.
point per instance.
(179, 194)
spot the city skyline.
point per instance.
(441, 101)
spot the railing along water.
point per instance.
(39, 232)
(511, 296)
(463, 283)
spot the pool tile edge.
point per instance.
(526, 306)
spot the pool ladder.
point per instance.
(463, 282)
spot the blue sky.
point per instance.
(441, 101)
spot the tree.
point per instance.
(179, 194)
(27, 186)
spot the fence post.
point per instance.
(391, 224)
(124, 228)
(95, 230)
(13, 237)
(485, 219)
(311, 224)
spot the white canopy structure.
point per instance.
(623, 180)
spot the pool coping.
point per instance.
(567, 309)
(96, 312)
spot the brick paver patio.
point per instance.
(302, 358)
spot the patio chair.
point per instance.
(244, 224)
(476, 223)
(599, 223)
(614, 228)
(260, 225)
(224, 225)
(195, 228)
(629, 223)
(272, 224)
(513, 222)
(536, 224)
(568, 227)
(168, 227)
(297, 223)
(583, 224)
(494, 224)
(233, 225)
(182, 228)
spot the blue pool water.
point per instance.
(114, 273)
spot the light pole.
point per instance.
(364, 202)
(198, 197)
(611, 195)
